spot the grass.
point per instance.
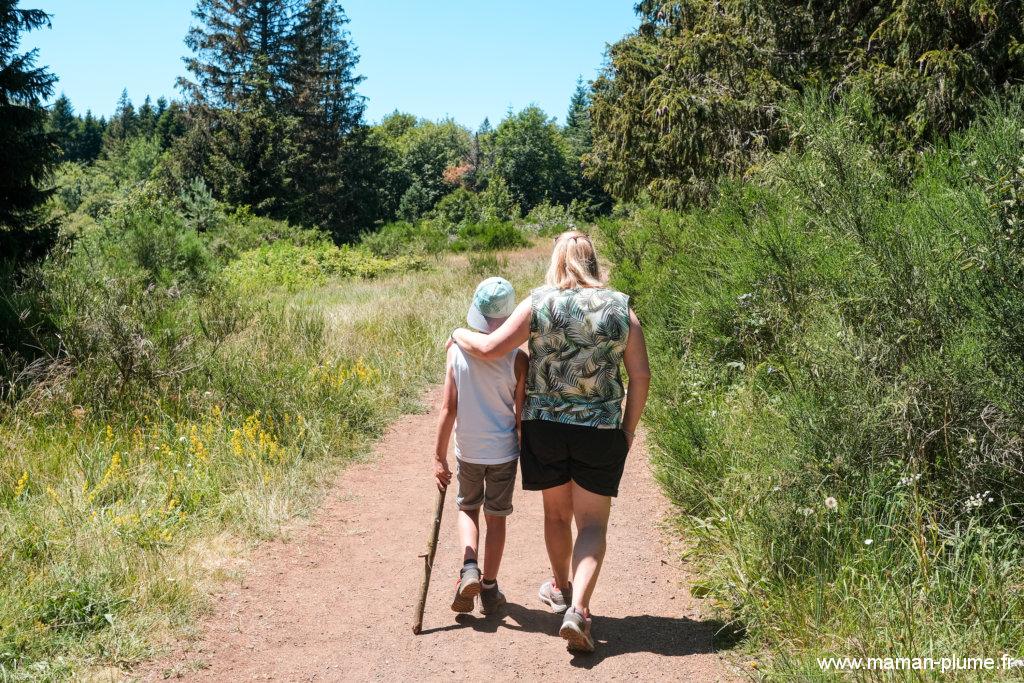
(836, 408)
(116, 515)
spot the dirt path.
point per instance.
(336, 602)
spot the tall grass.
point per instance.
(182, 407)
(838, 391)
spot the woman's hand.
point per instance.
(442, 474)
(629, 439)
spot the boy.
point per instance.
(483, 399)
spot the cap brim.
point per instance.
(479, 321)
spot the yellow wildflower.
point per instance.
(21, 485)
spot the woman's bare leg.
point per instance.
(591, 512)
(558, 504)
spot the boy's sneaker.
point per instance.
(576, 629)
(491, 599)
(466, 588)
(557, 600)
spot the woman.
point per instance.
(575, 434)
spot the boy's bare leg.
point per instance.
(469, 533)
(494, 546)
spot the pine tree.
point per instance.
(147, 117)
(579, 133)
(172, 123)
(251, 159)
(577, 121)
(229, 38)
(90, 138)
(124, 123)
(65, 126)
(324, 101)
(29, 151)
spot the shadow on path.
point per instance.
(665, 636)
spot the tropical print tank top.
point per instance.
(577, 338)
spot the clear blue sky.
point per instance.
(461, 58)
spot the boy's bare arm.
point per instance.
(522, 368)
(449, 408)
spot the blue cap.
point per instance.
(493, 302)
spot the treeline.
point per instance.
(272, 119)
(84, 138)
(698, 90)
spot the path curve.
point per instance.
(336, 601)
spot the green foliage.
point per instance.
(403, 238)
(292, 268)
(696, 92)
(530, 155)
(551, 220)
(29, 151)
(422, 151)
(497, 202)
(836, 404)
(458, 207)
(250, 158)
(586, 191)
(277, 121)
(489, 236)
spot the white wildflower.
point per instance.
(831, 503)
(868, 541)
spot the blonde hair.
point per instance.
(573, 262)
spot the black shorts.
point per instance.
(554, 453)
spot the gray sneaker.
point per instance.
(557, 600)
(466, 588)
(576, 629)
(491, 599)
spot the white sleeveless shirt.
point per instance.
(485, 423)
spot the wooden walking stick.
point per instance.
(428, 560)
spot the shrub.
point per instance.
(292, 267)
(239, 230)
(548, 220)
(402, 238)
(838, 390)
(456, 208)
(489, 236)
(497, 202)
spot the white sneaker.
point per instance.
(556, 599)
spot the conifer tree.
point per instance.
(147, 117)
(172, 123)
(65, 126)
(89, 138)
(324, 101)
(29, 151)
(228, 39)
(251, 161)
(579, 133)
(124, 123)
(577, 122)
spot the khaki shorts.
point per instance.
(490, 486)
